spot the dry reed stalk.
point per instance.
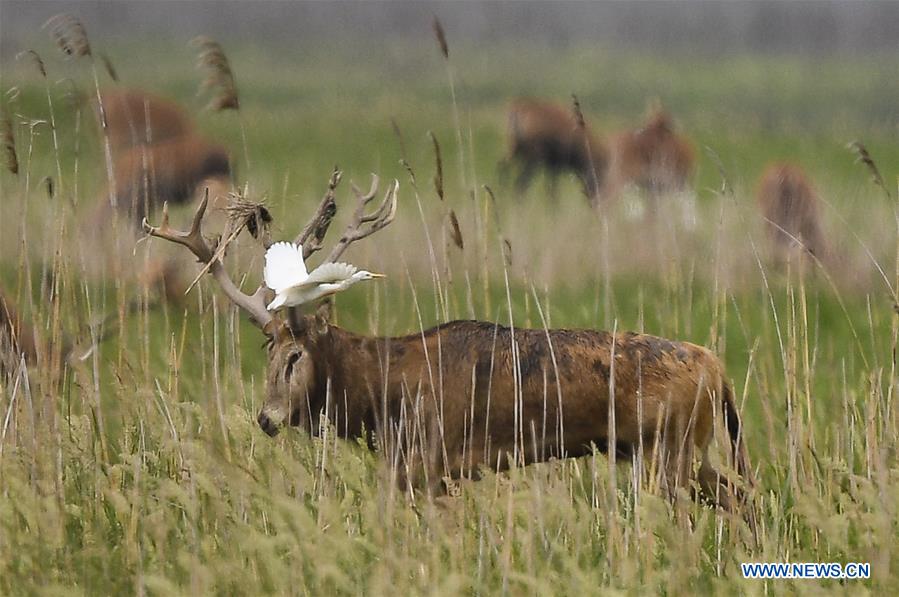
(77, 40)
(71, 37)
(10, 158)
(726, 190)
(400, 138)
(443, 46)
(216, 376)
(593, 181)
(506, 245)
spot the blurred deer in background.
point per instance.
(158, 156)
(654, 157)
(468, 394)
(789, 204)
(547, 135)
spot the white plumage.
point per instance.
(285, 273)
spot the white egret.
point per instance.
(285, 273)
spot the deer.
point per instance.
(156, 156)
(789, 205)
(464, 396)
(136, 117)
(545, 134)
(654, 157)
(170, 171)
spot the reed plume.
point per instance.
(35, 59)
(110, 69)
(440, 34)
(69, 35)
(455, 231)
(862, 155)
(438, 175)
(10, 157)
(219, 76)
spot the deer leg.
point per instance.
(528, 170)
(502, 170)
(714, 488)
(552, 185)
(678, 458)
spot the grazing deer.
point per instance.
(543, 134)
(157, 155)
(789, 205)
(470, 394)
(653, 157)
(170, 171)
(135, 117)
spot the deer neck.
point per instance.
(347, 366)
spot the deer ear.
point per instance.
(276, 328)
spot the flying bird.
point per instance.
(285, 273)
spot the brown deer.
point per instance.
(136, 117)
(157, 154)
(548, 135)
(789, 205)
(468, 394)
(653, 157)
(169, 171)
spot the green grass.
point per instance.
(143, 470)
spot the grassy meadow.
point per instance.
(141, 469)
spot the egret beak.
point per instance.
(377, 275)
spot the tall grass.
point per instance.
(141, 469)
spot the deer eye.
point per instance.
(291, 361)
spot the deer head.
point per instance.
(295, 343)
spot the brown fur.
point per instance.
(148, 175)
(789, 204)
(654, 157)
(157, 154)
(547, 135)
(127, 113)
(460, 381)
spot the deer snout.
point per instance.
(267, 424)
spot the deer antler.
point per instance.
(365, 224)
(313, 233)
(253, 304)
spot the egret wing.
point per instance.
(284, 266)
(329, 273)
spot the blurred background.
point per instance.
(364, 85)
(727, 26)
